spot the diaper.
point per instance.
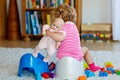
(69, 68)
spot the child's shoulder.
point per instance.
(68, 22)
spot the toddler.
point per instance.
(70, 43)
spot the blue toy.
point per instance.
(84, 36)
(32, 64)
(103, 74)
(112, 70)
(89, 73)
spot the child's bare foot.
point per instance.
(35, 55)
(45, 59)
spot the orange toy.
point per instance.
(109, 65)
(82, 78)
(108, 71)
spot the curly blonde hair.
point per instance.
(66, 12)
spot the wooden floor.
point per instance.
(111, 46)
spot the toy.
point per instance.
(103, 74)
(117, 72)
(109, 65)
(112, 70)
(109, 71)
(84, 36)
(82, 78)
(87, 37)
(47, 42)
(86, 65)
(45, 75)
(52, 75)
(52, 66)
(102, 69)
(32, 64)
(89, 73)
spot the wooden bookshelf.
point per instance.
(44, 12)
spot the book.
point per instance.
(41, 3)
(48, 19)
(40, 20)
(34, 27)
(38, 23)
(28, 25)
(37, 3)
(33, 3)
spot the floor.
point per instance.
(105, 46)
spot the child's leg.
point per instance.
(89, 60)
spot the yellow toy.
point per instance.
(85, 65)
(109, 65)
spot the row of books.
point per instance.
(35, 21)
(48, 3)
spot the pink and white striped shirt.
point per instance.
(70, 46)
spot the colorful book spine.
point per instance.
(54, 3)
(72, 3)
(45, 3)
(37, 3)
(34, 3)
(34, 28)
(48, 19)
(28, 23)
(41, 3)
(38, 26)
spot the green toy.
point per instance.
(85, 65)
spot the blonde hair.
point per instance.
(66, 12)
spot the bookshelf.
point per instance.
(45, 11)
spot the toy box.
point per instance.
(96, 32)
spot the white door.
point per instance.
(116, 19)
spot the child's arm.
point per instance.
(57, 36)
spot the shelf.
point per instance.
(43, 9)
(44, 12)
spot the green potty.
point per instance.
(32, 64)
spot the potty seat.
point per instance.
(32, 64)
(69, 68)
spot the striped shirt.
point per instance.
(70, 46)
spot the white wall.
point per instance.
(96, 11)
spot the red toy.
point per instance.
(45, 75)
